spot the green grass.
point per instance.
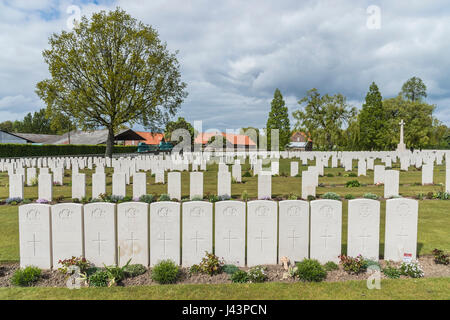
(430, 288)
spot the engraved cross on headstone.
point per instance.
(229, 238)
(327, 236)
(132, 240)
(34, 241)
(294, 237)
(164, 240)
(196, 239)
(99, 243)
(261, 239)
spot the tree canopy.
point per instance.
(324, 118)
(414, 89)
(111, 71)
(372, 121)
(278, 119)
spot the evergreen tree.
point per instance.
(278, 119)
(372, 121)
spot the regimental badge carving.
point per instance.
(294, 211)
(403, 210)
(33, 215)
(262, 211)
(163, 212)
(230, 212)
(65, 214)
(364, 211)
(98, 214)
(131, 213)
(327, 212)
(197, 212)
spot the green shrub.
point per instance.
(247, 174)
(353, 265)
(99, 279)
(26, 277)
(211, 264)
(330, 266)
(370, 196)
(230, 269)
(196, 198)
(349, 197)
(440, 257)
(81, 263)
(244, 195)
(148, 198)
(115, 273)
(257, 274)
(311, 198)
(239, 276)
(330, 175)
(165, 272)
(194, 269)
(164, 197)
(352, 184)
(352, 175)
(29, 150)
(135, 270)
(310, 270)
(332, 196)
(292, 196)
(391, 272)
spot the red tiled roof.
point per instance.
(151, 138)
(234, 139)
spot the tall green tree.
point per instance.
(111, 71)
(414, 89)
(181, 123)
(324, 118)
(372, 121)
(278, 119)
(418, 117)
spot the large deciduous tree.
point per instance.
(324, 118)
(111, 71)
(173, 126)
(414, 89)
(278, 119)
(372, 121)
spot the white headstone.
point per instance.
(401, 229)
(264, 185)
(427, 174)
(139, 185)
(294, 168)
(197, 231)
(261, 233)
(294, 230)
(132, 233)
(31, 176)
(224, 184)
(196, 185)
(391, 183)
(119, 185)
(100, 233)
(79, 186)
(34, 236)
(164, 232)
(16, 189)
(378, 174)
(67, 232)
(45, 187)
(230, 232)
(237, 172)
(174, 185)
(326, 230)
(363, 228)
(98, 185)
(308, 184)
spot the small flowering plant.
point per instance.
(67, 264)
(412, 269)
(42, 201)
(354, 265)
(13, 201)
(257, 274)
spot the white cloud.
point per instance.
(235, 53)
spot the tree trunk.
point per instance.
(110, 143)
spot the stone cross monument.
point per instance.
(401, 146)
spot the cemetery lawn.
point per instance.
(410, 289)
(434, 215)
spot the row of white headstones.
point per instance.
(254, 233)
(310, 180)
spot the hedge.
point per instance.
(29, 150)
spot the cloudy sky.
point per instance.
(234, 54)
